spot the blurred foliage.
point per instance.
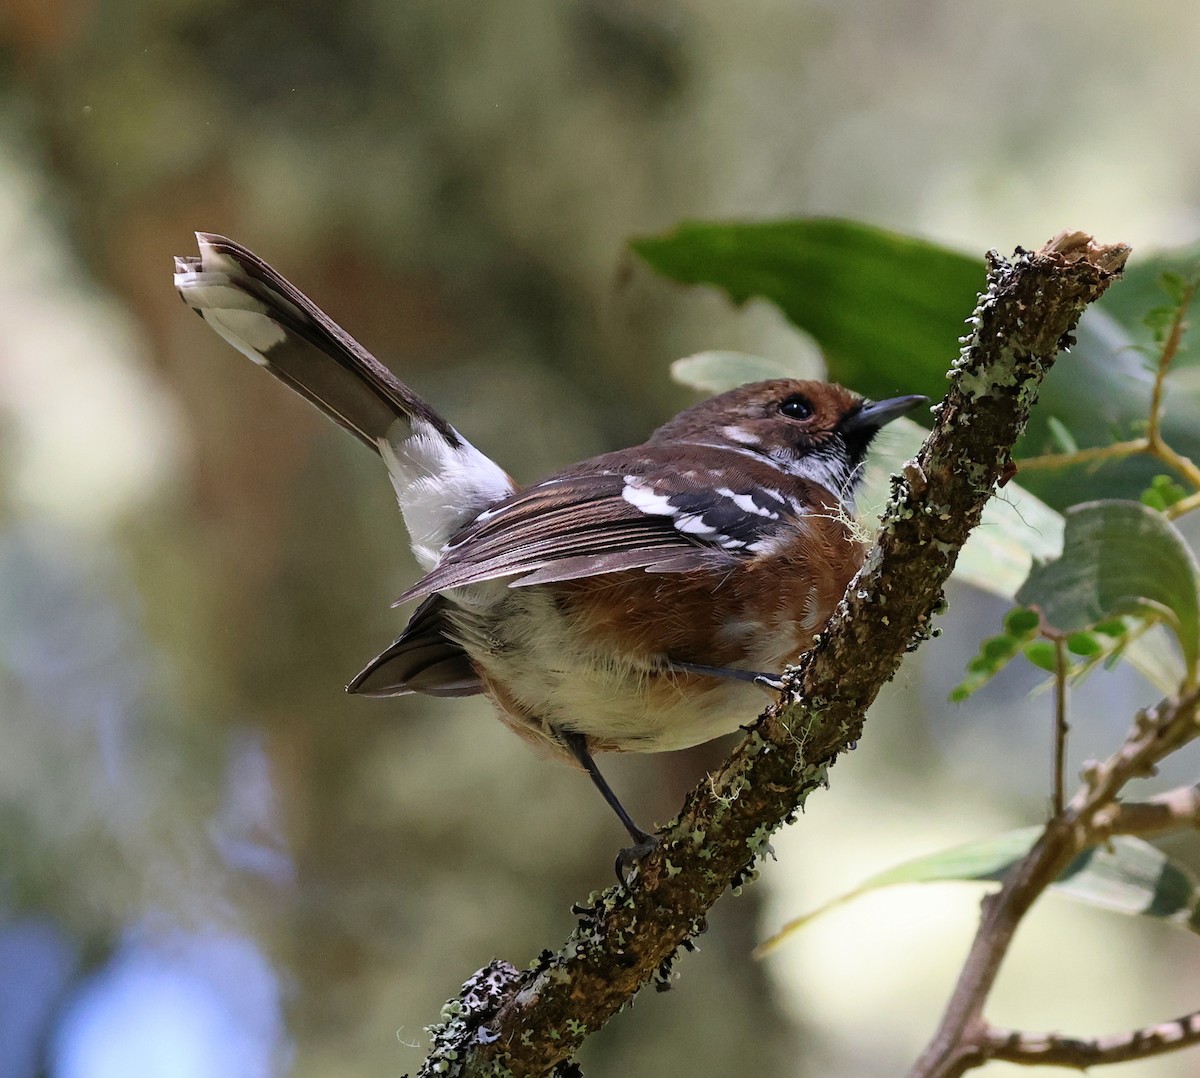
(456, 183)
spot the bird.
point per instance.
(634, 602)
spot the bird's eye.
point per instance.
(796, 408)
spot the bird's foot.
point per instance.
(630, 858)
(770, 682)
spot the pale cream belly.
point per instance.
(526, 650)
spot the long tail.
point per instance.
(441, 480)
(267, 318)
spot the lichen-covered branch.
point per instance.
(529, 1022)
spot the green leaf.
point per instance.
(1127, 875)
(1017, 529)
(1096, 392)
(1152, 498)
(1042, 654)
(1101, 390)
(1131, 876)
(715, 372)
(995, 654)
(1162, 493)
(886, 309)
(1084, 644)
(999, 648)
(1176, 286)
(1062, 437)
(1021, 622)
(1118, 558)
(1157, 320)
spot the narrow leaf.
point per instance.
(1062, 437)
(1126, 876)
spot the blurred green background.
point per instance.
(212, 861)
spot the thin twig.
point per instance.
(1166, 357)
(1172, 810)
(1057, 1050)
(960, 1042)
(1094, 455)
(1060, 724)
(1184, 505)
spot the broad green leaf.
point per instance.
(715, 372)
(1127, 875)
(886, 309)
(1118, 558)
(1016, 527)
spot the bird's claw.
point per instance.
(630, 858)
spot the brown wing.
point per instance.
(662, 509)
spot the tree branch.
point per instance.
(530, 1022)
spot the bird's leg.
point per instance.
(643, 843)
(770, 682)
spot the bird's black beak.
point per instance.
(875, 414)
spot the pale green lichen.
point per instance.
(760, 840)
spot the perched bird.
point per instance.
(627, 603)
